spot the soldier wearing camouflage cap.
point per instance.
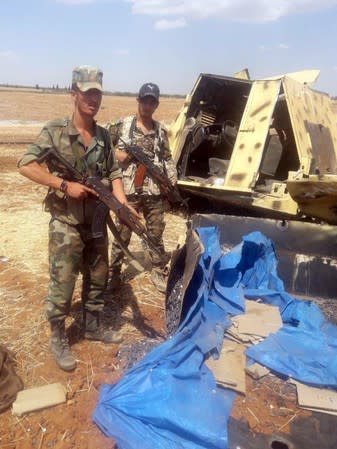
(142, 189)
(72, 247)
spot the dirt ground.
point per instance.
(137, 309)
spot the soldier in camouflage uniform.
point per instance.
(72, 247)
(143, 191)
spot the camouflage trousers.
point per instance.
(73, 250)
(153, 211)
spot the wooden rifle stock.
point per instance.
(166, 186)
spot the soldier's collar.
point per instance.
(73, 131)
(152, 131)
(99, 134)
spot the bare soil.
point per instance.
(137, 309)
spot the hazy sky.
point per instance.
(166, 41)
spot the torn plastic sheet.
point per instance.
(169, 400)
(304, 348)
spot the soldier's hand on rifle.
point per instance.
(133, 211)
(78, 191)
(122, 157)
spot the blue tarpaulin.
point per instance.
(169, 400)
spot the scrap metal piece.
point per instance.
(183, 265)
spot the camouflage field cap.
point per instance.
(86, 77)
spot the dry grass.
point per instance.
(38, 106)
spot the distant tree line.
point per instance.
(57, 89)
(53, 88)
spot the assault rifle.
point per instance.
(166, 186)
(107, 201)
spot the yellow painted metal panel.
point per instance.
(314, 127)
(303, 76)
(250, 142)
(242, 74)
(210, 186)
(281, 203)
(175, 132)
(316, 196)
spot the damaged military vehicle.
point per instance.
(267, 146)
(262, 154)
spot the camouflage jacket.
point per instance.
(96, 160)
(155, 145)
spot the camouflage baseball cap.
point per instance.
(86, 77)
